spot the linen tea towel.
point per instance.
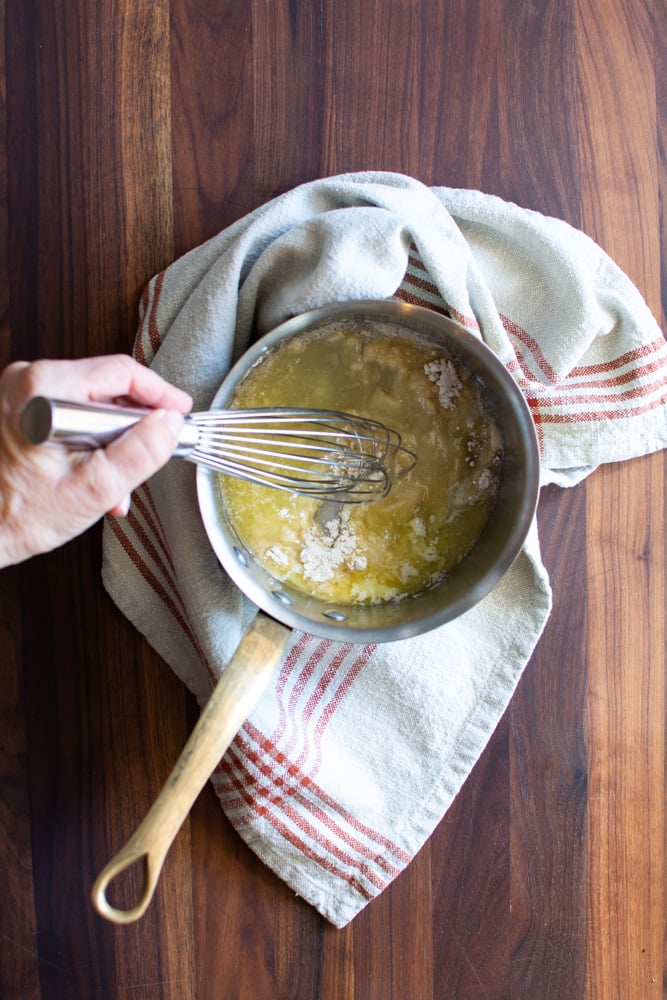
(354, 753)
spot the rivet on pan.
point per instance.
(281, 596)
(241, 556)
(336, 616)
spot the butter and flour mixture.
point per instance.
(406, 542)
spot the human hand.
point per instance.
(48, 493)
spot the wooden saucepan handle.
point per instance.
(233, 698)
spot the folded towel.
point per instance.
(355, 752)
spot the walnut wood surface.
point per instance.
(130, 132)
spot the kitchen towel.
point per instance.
(355, 752)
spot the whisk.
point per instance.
(323, 454)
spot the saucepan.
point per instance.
(284, 608)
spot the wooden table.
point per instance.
(132, 132)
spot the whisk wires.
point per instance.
(335, 456)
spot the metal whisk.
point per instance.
(318, 453)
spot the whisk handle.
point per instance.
(88, 425)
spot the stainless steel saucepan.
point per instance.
(285, 608)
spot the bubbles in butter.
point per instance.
(406, 542)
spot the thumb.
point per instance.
(111, 474)
(146, 447)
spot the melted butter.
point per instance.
(406, 542)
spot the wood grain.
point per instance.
(129, 133)
(626, 731)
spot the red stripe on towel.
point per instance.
(269, 750)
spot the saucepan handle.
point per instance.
(236, 693)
